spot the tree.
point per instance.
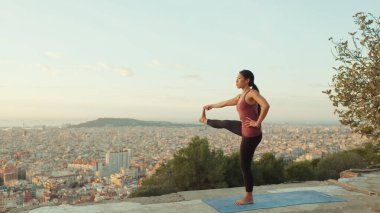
(197, 167)
(357, 81)
(194, 167)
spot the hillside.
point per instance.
(118, 122)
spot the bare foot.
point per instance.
(244, 201)
(203, 119)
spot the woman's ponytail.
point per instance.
(253, 85)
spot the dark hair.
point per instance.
(248, 74)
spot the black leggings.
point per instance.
(247, 147)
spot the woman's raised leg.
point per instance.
(233, 126)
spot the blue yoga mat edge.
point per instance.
(271, 200)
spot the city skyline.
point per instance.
(71, 62)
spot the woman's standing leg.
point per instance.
(247, 149)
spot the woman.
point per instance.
(252, 109)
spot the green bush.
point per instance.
(197, 167)
(299, 171)
(332, 165)
(369, 152)
(269, 170)
(233, 175)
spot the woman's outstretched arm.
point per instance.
(230, 102)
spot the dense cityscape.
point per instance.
(60, 165)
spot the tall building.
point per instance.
(34, 191)
(115, 160)
(129, 156)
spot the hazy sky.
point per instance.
(163, 60)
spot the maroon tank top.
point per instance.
(250, 111)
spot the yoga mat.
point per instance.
(271, 200)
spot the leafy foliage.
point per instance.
(332, 165)
(299, 171)
(269, 170)
(357, 81)
(196, 167)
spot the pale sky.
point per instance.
(75, 60)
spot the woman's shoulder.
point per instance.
(253, 91)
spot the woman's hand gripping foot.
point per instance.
(203, 118)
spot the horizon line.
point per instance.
(61, 122)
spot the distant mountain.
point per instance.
(116, 122)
